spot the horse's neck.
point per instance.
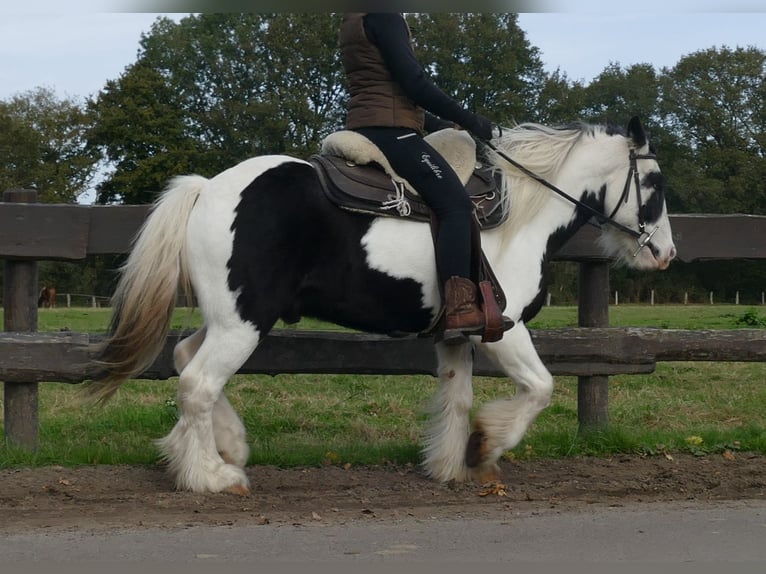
(536, 211)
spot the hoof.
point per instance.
(489, 473)
(476, 450)
(238, 489)
(476, 458)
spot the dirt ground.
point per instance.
(103, 497)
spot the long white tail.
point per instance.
(145, 296)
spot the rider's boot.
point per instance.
(463, 316)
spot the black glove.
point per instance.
(478, 125)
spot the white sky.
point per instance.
(584, 44)
(76, 51)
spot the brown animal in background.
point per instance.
(47, 297)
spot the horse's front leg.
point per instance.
(500, 425)
(448, 424)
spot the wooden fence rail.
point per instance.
(30, 232)
(64, 357)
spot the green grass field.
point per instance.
(87, 320)
(701, 408)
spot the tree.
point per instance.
(560, 102)
(252, 83)
(141, 132)
(42, 145)
(484, 61)
(617, 94)
(715, 101)
(215, 89)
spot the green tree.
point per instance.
(214, 89)
(246, 81)
(43, 145)
(617, 94)
(560, 102)
(142, 134)
(484, 61)
(715, 101)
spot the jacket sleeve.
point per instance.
(434, 124)
(388, 31)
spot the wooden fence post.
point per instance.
(20, 308)
(593, 311)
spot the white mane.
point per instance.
(542, 150)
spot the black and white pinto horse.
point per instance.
(259, 242)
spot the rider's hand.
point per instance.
(479, 126)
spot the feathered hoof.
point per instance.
(235, 459)
(476, 450)
(478, 458)
(223, 478)
(238, 489)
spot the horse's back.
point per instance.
(229, 183)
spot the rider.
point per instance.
(390, 94)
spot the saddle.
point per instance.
(355, 176)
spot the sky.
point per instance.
(74, 47)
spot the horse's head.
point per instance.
(636, 201)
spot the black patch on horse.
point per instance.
(653, 208)
(555, 242)
(294, 254)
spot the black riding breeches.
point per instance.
(431, 176)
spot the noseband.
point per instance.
(641, 236)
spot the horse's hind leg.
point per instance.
(500, 425)
(228, 430)
(447, 431)
(190, 449)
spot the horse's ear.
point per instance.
(636, 132)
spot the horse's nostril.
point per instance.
(673, 253)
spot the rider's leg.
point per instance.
(434, 179)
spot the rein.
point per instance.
(641, 236)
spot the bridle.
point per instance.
(642, 238)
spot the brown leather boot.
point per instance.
(463, 315)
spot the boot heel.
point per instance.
(454, 337)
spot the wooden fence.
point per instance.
(30, 232)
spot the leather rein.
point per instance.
(641, 236)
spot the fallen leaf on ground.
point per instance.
(497, 488)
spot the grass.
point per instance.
(661, 316)
(87, 320)
(337, 419)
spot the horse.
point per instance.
(260, 242)
(47, 297)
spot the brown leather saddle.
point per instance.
(369, 189)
